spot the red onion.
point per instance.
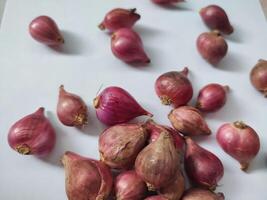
(212, 47)
(189, 121)
(32, 135)
(71, 109)
(120, 144)
(167, 1)
(155, 130)
(86, 178)
(175, 189)
(174, 88)
(202, 167)
(129, 186)
(239, 141)
(157, 197)
(212, 97)
(128, 46)
(158, 162)
(45, 30)
(216, 18)
(115, 105)
(119, 18)
(258, 76)
(201, 194)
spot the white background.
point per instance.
(31, 73)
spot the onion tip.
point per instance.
(23, 149)
(101, 26)
(96, 102)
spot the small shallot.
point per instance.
(174, 88)
(86, 178)
(167, 1)
(45, 30)
(212, 97)
(129, 186)
(120, 144)
(71, 109)
(202, 167)
(258, 76)
(115, 105)
(32, 135)
(119, 18)
(128, 46)
(212, 47)
(201, 194)
(239, 141)
(216, 18)
(158, 162)
(189, 121)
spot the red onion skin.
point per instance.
(216, 19)
(119, 18)
(120, 144)
(258, 76)
(157, 197)
(174, 88)
(115, 105)
(212, 97)
(129, 186)
(158, 162)
(71, 109)
(86, 179)
(201, 194)
(239, 141)
(32, 135)
(212, 47)
(166, 1)
(45, 30)
(128, 46)
(189, 121)
(203, 168)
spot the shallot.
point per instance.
(239, 141)
(166, 1)
(212, 97)
(115, 105)
(86, 178)
(258, 76)
(120, 144)
(33, 134)
(129, 186)
(189, 121)
(45, 30)
(202, 167)
(174, 88)
(212, 47)
(201, 194)
(216, 19)
(128, 46)
(156, 197)
(119, 18)
(71, 109)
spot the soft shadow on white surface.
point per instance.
(259, 163)
(232, 63)
(176, 7)
(147, 31)
(238, 36)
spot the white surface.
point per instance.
(31, 73)
(2, 6)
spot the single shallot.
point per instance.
(258, 76)
(167, 2)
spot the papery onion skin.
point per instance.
(32, 135)
(189, 121)
(119, 18)
(86, 179)
(71, 109)
(212, 47)
(202, 194)
(129, 186)
(45, 30)
(239, 141)
(212, 97)
(158, 162)
(175, 189)
(115, 105)
(156, 197)
(203, 168)
(120, 144)
(174, 88)
(216, 18)
(127, 45)
(167, 1)
(258, 76)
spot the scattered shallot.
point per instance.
(258, 76)
(201, 194)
